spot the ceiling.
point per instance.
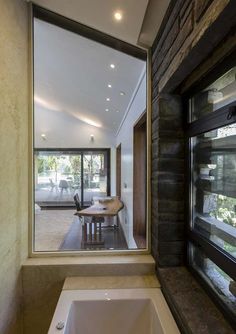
(139, 26)
(98, 14)
(72, 74)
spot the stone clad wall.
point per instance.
(167, 181)
(191, 30)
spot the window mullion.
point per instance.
(216, 254)
(210, 122)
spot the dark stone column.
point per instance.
(167, 181)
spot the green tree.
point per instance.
(53, 164)
(75, 161)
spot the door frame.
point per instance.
(140, 179)
(118, 170)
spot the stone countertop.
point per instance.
(192, 307)
(89, 260)
(111, 282)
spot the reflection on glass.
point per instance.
(223, 285)
(214, 186)
(217, 95)
(57, 177)
(95, 176)
(84, 110)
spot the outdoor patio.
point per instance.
(48, 195)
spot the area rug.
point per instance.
(51, 227)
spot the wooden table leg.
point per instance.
(85, 232)
(91, 232)
(100, 231)
(95, 231)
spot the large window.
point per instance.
(212, 186)
(89, 90)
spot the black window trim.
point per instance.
(223, 260)
(207, 123)
(213, 295)
(88, 32)
(82, 151)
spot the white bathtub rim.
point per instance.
(67, 297)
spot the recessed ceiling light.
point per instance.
(107, 109)
(118, 16)
(108, 99)
(112, 66)
(122, 93)
(117, 110)
(109, 85)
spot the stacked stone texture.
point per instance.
(168, 158)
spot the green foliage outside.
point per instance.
(67, 165)
(75, 167)
(225, 210)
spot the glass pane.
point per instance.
(214, 186)
(95, 176)
(57, 178)
(218, 94)
(87, 99)
(222, 284)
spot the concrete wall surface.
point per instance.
(14, 160)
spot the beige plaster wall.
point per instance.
(13, 160)
(43, 280)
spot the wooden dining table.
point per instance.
(94, 216)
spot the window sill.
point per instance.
(192, 308)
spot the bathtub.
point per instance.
(115, 311)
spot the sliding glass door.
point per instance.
(59, 175)
(94, 175)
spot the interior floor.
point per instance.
(62, 230)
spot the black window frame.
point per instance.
(219, 118)
(81, 151)
(63, 22)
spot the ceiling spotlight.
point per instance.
(112, 66)
(107, 109)
(122, 93)
(118, 16)
(109, 85)
(92, 137)
(108, 99)
(43, 136)
(117, 110)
